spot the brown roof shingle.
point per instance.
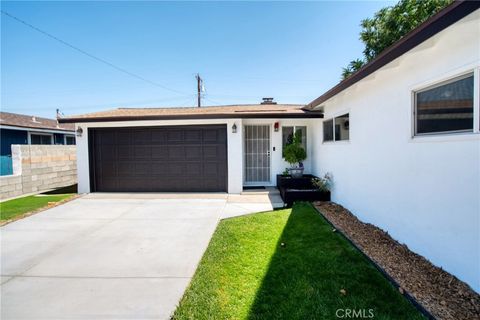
(25, 121)
(216, 112)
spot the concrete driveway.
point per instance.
(101, 257)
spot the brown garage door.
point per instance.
(170, 158)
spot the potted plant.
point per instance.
(324, 183)
(294, 154)
(306, 188)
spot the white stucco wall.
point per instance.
(425, 191)
(234, 148)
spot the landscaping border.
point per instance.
(407, 295)
(31, 213)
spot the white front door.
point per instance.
(257, 154)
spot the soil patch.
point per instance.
(439, 292)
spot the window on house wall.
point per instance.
(337, 129)
(287, 135)
(58, 138)
(446, 107)
(342, 127)
(40, 139)
(70, 140)
(328, 130)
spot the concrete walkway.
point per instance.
(110, 256)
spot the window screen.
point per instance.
(328, 130)
(70, 140)
(287, 136)
(40, 139)
(446, 107)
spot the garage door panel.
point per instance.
(143, 168)
(109, 152)
(110, 169)
(108, 138)
(124, 137)
(180, 158)
(141, 137)
(193, 136)
(193, 153)
(176, 152)
(108, 183)
(142, 152)
(159, 168)
(213, 153)
(125, 152)
(194, 169)
(175, 135)
(212, 135)
(159, 152)
(159, 136)
(212, 169)
(125, 168)
(175, 169)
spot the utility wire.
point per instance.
(90, 55)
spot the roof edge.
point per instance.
(440, 21)
(305, 114)
(7, 126)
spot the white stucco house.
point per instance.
(401, 138)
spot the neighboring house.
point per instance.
(401, 138)
(24, 129)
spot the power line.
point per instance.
(91, 55)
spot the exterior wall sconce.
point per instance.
(79, 131)
(234, 128)
(276, 126)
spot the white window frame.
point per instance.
(40, 134)
(439, 83)
(438, 80)
(338, 115)
(295, 130)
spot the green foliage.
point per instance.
(286, 264)
(352, 67)
(294, 152)
(390, 24)
(12, 208)
(323, 183)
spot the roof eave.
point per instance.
(5, 125)
(448, 16)
(195, 117)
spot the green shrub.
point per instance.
(294, 152)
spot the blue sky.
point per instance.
(244, 51)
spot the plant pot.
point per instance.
(296, 172)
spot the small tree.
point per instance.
(389, 25)
(294, 152)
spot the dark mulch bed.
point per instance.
(442, 294)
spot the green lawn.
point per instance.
(16, 207)
(247, 274)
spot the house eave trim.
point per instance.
(60, 131)
(197, 117)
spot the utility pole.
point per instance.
(199, 89)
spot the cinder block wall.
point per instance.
(39, 167)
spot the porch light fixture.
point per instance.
(234, 128)
(79, 131)
(276, 126)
